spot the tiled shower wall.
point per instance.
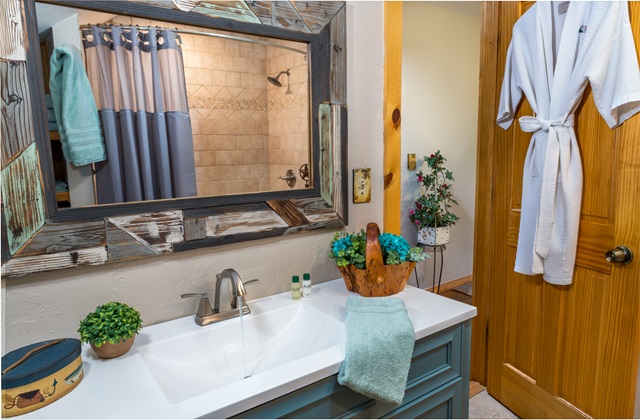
(288, 114)
(227, 95)
(246, 132)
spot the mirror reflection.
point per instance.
(180, 113)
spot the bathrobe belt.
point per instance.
(558, 136)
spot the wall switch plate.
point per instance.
(361, 185)
(411, 161)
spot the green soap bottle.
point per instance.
(296, 290)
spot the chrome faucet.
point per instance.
(207, 315)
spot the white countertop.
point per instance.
(125, 388)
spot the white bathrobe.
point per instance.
(553, 54)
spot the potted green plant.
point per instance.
(374, 264)
(111, 329)
(431, 213)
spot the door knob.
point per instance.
(621, 254)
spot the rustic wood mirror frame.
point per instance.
(39, 237)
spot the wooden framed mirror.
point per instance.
(39, 236)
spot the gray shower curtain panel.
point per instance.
(137, 78)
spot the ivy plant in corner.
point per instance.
(111, 329)
(431, 213)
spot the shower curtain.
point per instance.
(138, 82)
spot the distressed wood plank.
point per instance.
(339, 58)
(4, 245)
(228, 239)
(185, 5)
(122, 246)
(326, 152)
(157, 231)
(22, 198)
(339, 177)
(60, 237)
(17, 267)
(317, 14)
(236, 10)
(288, 212)
(12, 46)
(17, 124)
(284, 15)
(234, 223)
(262, 9)
(195, 228)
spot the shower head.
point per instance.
(274, 80)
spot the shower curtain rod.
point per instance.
(186, 31)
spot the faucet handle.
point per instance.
(200, 295)
(204, 309)
(241, 284)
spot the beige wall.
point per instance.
(440, 79)
(49, 305)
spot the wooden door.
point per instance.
(558, 351)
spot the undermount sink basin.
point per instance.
(211, 357)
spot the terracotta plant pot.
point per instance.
(378, 279)
(109, 351)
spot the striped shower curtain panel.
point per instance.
(137, 78)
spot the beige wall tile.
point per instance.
(203, 77)
(234, 79)
(240, 64)
(192, 59)
(227, 158)
(200, 142)
(230, 143)
(251, 185)
(248, 80)
(225, 62)
(255, 156)
(202, 43)
(216, 142)
(218, 78)
(251, 143)
(221, 127)
(207, 158)
(232, 47)
(236, 126)
(210, 61)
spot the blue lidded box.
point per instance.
(39, 374)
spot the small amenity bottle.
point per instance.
(306, 285)
(295, 288)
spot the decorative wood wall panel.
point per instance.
(301, 16)
(100, 234)
(22, 198)
(11, 33)
(54, 238)
(17, 124)
(16, 267)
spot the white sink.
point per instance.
(191, 364)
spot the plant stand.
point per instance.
(435, 249)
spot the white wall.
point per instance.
(440, 78)
(79, 178)
(51, 305)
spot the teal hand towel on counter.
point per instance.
(379, 345)
(75, 108)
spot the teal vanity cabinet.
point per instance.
(437, 387)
